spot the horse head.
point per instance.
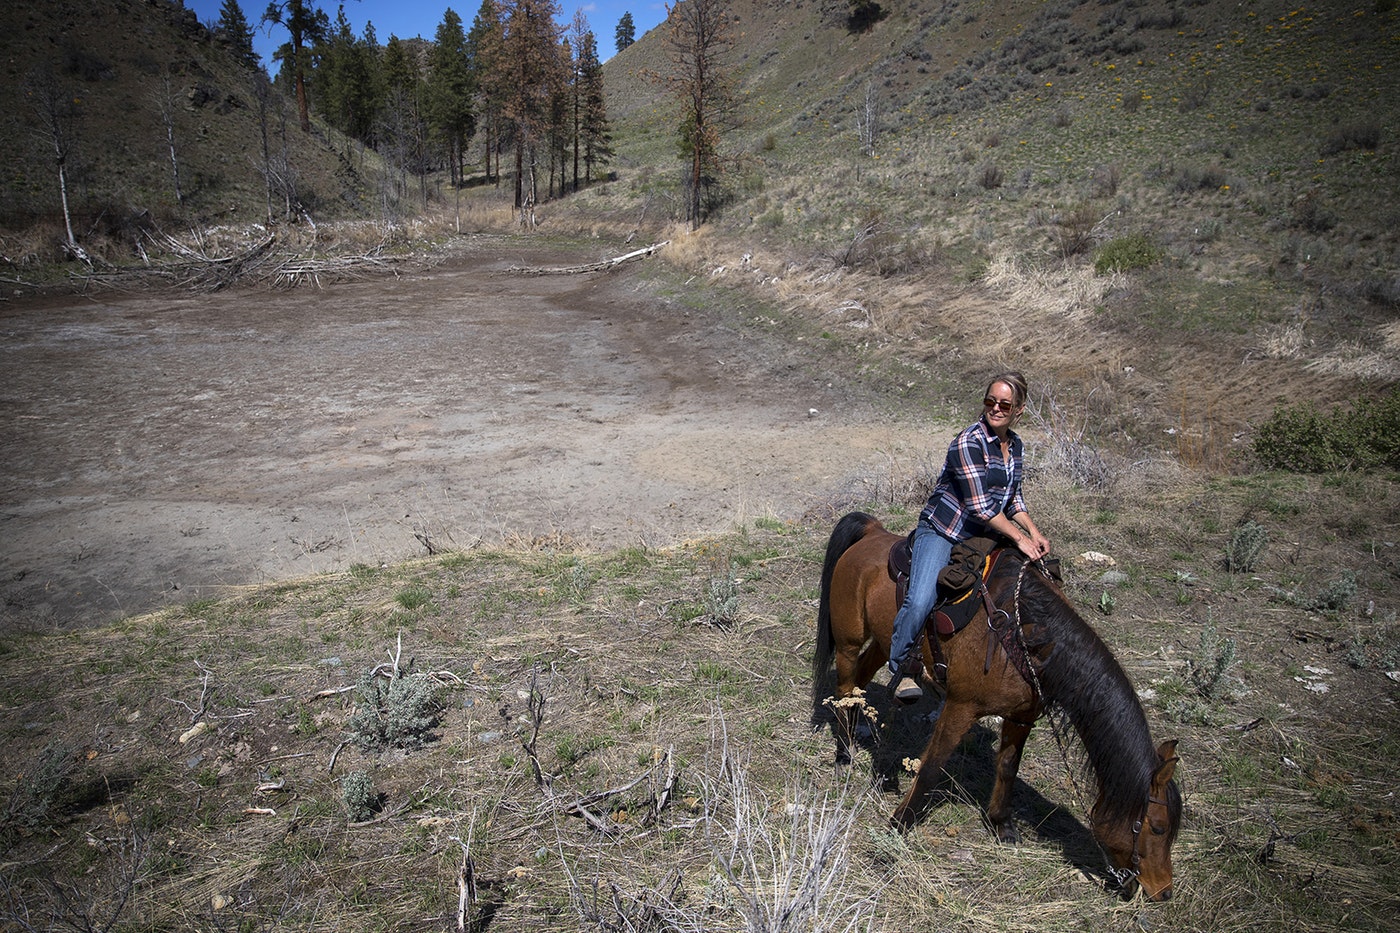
(1139, 847)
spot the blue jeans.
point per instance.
(930, 556)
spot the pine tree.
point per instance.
(450, 91)
(626, 31)
(593, 132)
(699, 41)
(535, 72)
(346, 80)
(306, 25)
(374, 80)
(235, 28)
(402, 127)
(486, 50)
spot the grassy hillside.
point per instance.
(1177, 206)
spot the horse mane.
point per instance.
(1085, 680)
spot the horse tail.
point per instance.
(850, 529)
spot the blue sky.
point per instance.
(409, 18)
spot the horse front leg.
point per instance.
(1013, 741)
(953, 723)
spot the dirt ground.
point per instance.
(163, 448)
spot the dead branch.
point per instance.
(466, 879)
(336, 754)
(663, 796)
(606, 265)
(591, 818)
(536, 704)
(328, 692)
(195, 714)
(269, 261)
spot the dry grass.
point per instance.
(1071, 293)
(680, 776)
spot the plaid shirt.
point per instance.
(976, 484)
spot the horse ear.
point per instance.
(1166, 753)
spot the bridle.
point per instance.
(1121, 876)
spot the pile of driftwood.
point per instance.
(268, 261)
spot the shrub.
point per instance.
(1355, 136)
(722, 601)
(1105, 179)
(1245, 546)
(990, 175)
(1124, 254)
(1192, 179)
(1075, 230)
(1206, 673)
(1303, 439)
(864, 15)
(400, 714)
(1337, 595)
(360, 797)
(1193, 695)
(1309, 214)
(30, 806)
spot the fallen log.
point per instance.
(606, 265)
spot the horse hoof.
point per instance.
(899, 822)
(1007, 835)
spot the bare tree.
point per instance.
(868, 120)
(56, 110)
(165, 103)
(262, 96)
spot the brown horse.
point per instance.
(1137, 812)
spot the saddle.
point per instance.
(962, 591)
(970, 563)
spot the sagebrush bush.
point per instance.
(360, 798)
(30, 805)
(722, 601)
(1304, 439)
(1124, 254)
(1337, 595)
(1355, 136)
(1246, 544)
(1206, 673)
(400, 712)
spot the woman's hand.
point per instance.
(1028, 538)
(1035, 545)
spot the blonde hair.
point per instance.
(1017, 384)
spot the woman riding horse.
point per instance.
(1025, 651)
(978, 492)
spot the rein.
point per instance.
(1120, 876)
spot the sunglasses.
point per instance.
(998, 404)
